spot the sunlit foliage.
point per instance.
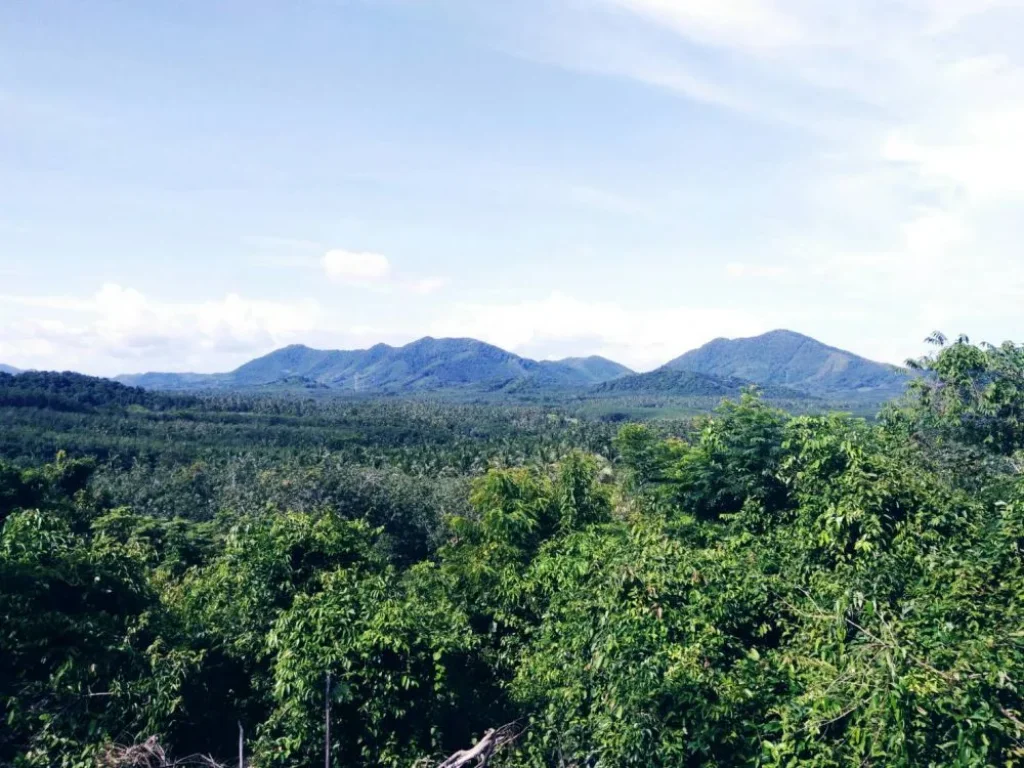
(755, 589)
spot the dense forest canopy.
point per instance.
(749, 587)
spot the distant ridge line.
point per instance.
(784, 362)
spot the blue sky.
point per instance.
(188, 184)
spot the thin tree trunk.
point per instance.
(327, 722)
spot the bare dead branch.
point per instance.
(149, 754)
(480, 754)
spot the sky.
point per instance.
(187, 184)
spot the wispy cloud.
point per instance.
(911, 112)
(755, 24)
(642, 337)
(757, 271)
(356, 266)
(282, 243)
(427, 285)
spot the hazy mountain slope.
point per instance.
(425, 365)
(596, 368)
(174, 381)
(431, 363)
(9, 369)
(296, 360)
(789, 359)
(665, 381)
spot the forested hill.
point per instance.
(595, 369)
(77, 393)
(788, 359)
(422, 366)
(689, 384)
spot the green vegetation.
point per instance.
(689, 383)
(749, 587)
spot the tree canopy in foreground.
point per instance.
(760, 589)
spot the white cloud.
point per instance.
(640, 337)
(756, 271)
(427, 285)
(120, 329)
(983, 156)
(374, 269)
(356, 266)
(972, 68)
(900, 177)
(933, 233)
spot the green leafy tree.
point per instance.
(86, 653)
(972, 394)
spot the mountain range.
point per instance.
(9, 369)
(427, 365)
(783, 364)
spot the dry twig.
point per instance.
(149, 754)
